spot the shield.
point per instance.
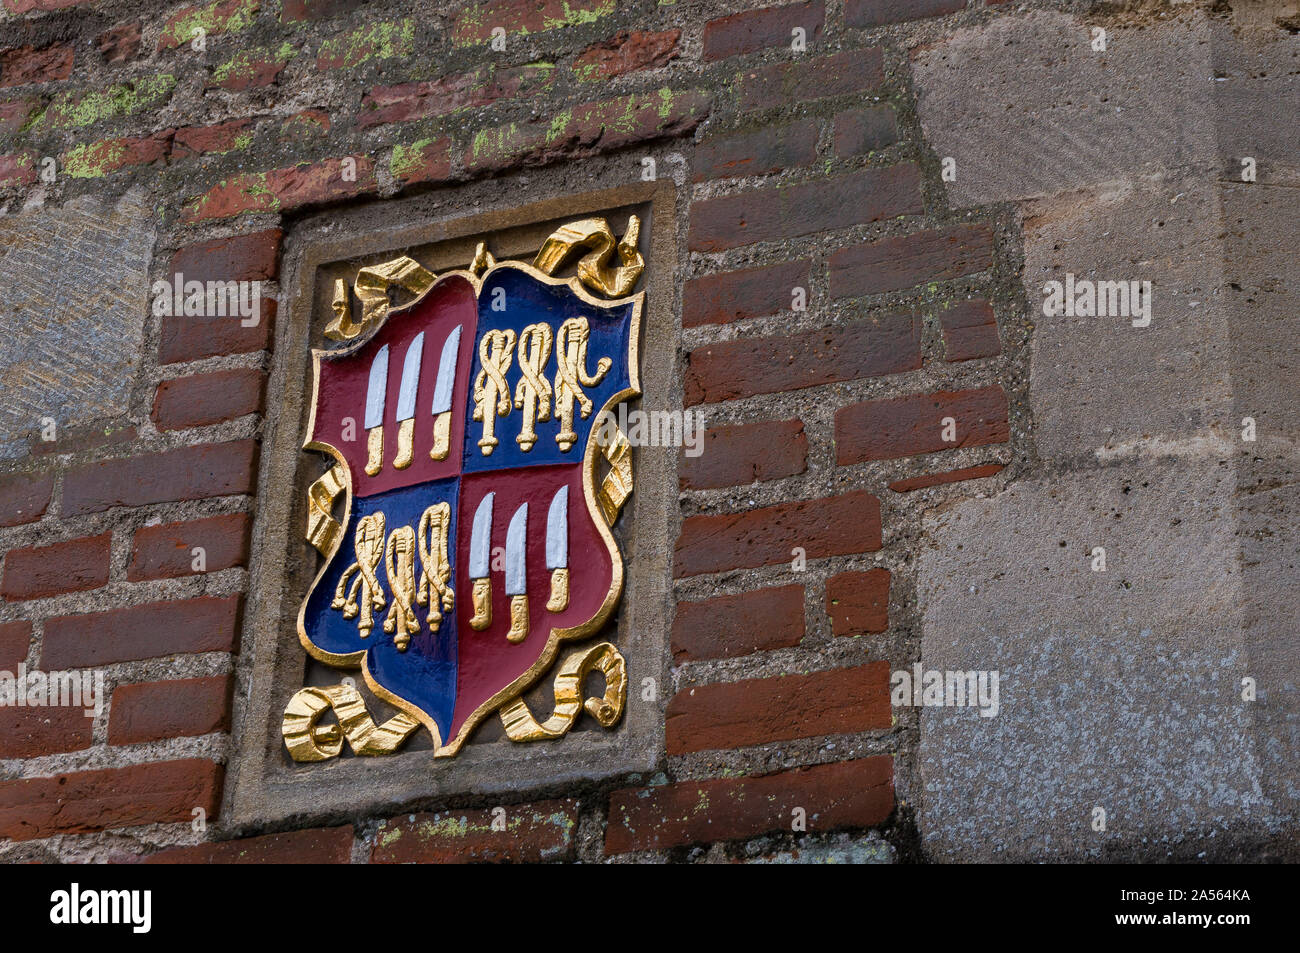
(474, 539)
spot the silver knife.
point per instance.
(557, 550)
(517, 574)
(406, 403)
(480, 551)
(442, 394)
(376, 395)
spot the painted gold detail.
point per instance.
(323, 530)
(405, 444)
(533, 393)
(616, 487)
(309, 740)
(399, 560)
(374, 450)
(483, 259)
(371, 287)
(571, 376)
(491, 392)
(365, 596)
(441, 436)
(518, 618)
(519, 722)
(594, 270)
(559, 600)
(434, 589)
(482, 604)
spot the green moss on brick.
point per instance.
(243, 65)
(375, 42)
(93, 160)
(223, 16)
(407, 159)
(77, 110)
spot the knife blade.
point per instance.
(406, 402)
(480, 550)
(442, 395)
(557, 550)
(376, 395)
(517, 574)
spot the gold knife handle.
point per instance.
(375, 450)
(482, 604)
(559, 600)
(441, 436)
(518, 619)
(405, 443)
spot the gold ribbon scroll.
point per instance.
(520, 724)
(308, 740)
(372, 286)
(595, 270)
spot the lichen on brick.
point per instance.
(376, 41)
(75, 111)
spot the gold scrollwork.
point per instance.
(371, 288)
(617, 485)
(309, 740)
(399, 560)
(366, 594)
(520, 725)
(533, 393)
(571, 376)
(323, 530)
(434, 589)
(491, 391)
(595, 270)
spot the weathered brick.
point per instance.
(970, 330)
(84, 801)
(746, 453)
(93, 160)
(187, 473)
(858, 602)
(784, 84)
(766, 536)
(858, 131)
(428, 160)
(121, 43)
(843, 794)
(869, 13)
(207, 398)
(185, 338)
(768, 149)
(754, 30)
(730, 626)
(24, 497)
(217, 139)
(737, 295)
(762, 710)
(91, 435)
(475, 21)
(326, 845)
(447, 94)
(180, 708)
(219, 17)
(27, 64)
(253, 68)
(588, 129)
(534, 832)
(24, 6)
(374, 41)
(888, 344)
(951, 476)
(75, 565)
(37, 731)
(17, 169)
(294, 11)
(789, 211)
(282, 190)
(626, 52)
(165, 552)
(180, 627)
(305, 125)
(253, 257)
(15, 639)
(79, 108)
(14, 113)
(886, 429)
(892, 264)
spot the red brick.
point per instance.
(892, 264)
(789, 211)
(181, 708)
(24, 6)
(730, 626)
(326, 845)
(970, 330)
(120, 44)
(755, 30)
(843, 794)
(534, 833)
(203, 140)
(207, 398)
(297, 10)
(24, 497)
(427, 163)
(766, 536)
(253, 257)
(252, 69)
(785, 84)
(34, 732)
(475, 21)
(17, 169)
(746, 453)
(439, 97)
(72, 566)
(27, 64)
(282, 190)
(951, 476)
(185, 626)
(868, 13)
(100, 158)
(761, 710)
(217, 18)
(305, 125)
(86, 801)
(185, 338)
(92, 435)
(187, 473)
(769, 149)
(859, 131)
(886, 429)
(858, 602)
(626, 52)
(14, 113)
(15, 639)
(743, 367)
(737, 295)
(164, 552)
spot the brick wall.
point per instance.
(854, 343)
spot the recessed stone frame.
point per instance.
(267, 787)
